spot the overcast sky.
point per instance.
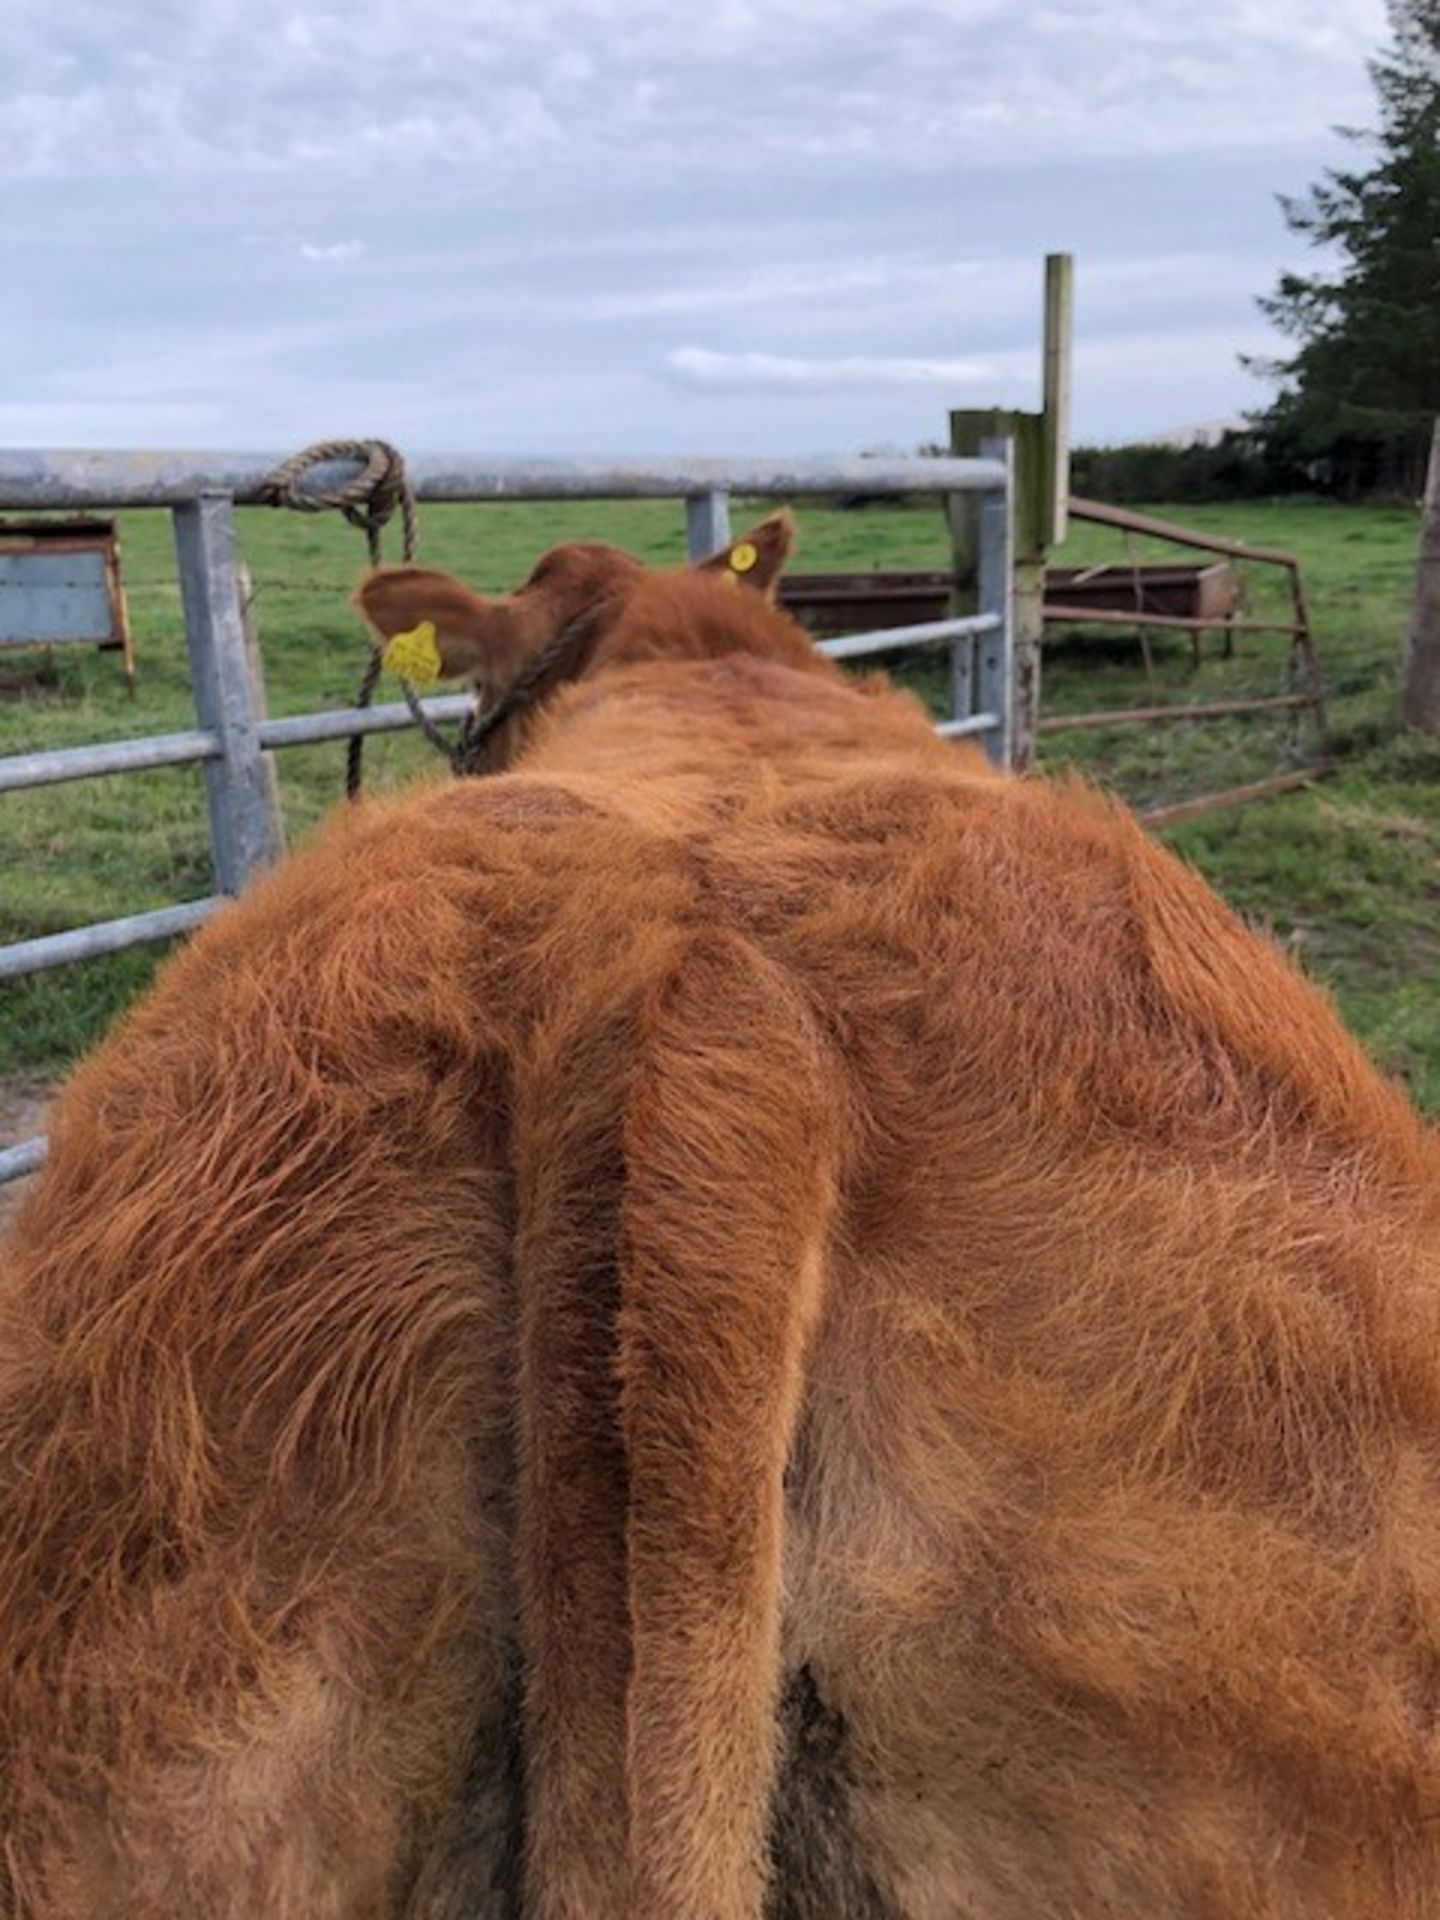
(644, 225)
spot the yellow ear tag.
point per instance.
(414, 655)
(743, 556)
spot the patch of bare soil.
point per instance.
(28, 679)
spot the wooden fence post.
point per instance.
(1040, 475)
(1055, 411)
(1420, 676)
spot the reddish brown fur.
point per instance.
(744, 1205)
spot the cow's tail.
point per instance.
(651, 1787)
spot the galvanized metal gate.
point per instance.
(232, 736)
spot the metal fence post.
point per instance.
(962, 671)
(995, 591)
(707, 523)
(245, 829)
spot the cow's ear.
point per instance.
(757, 559)
(430, 625)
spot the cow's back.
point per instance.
(846, 1317)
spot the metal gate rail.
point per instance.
(233, 735)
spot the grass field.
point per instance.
(1347, 874)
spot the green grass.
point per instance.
(1347, 873)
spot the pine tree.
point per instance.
(1362, 389)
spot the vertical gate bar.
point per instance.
(707, 523)
(245, 832)
(970, 432)
(996, 594)
(962, 520)
(962, 676)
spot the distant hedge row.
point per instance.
(1238, 468)
(1241, 466)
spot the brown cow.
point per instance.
(741, 1319)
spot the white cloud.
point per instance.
(256, 87)
(332, 250)
(700, 367)
(794, 284)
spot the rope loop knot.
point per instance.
(369, 501)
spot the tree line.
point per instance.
(1357, 395)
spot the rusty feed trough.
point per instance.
(60, 585)
(1201, 591)
(831, 605)
(1114, 593)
